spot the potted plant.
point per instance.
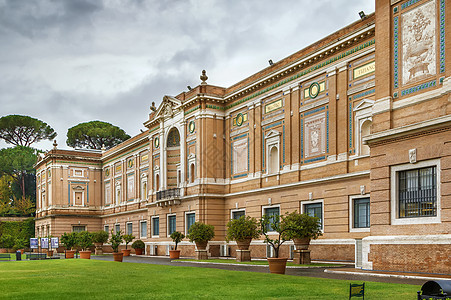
(127, 239)
(99, 238)
(201, 233)
(177, 237)
(301, 229)
(270, 226)
(139, 246)
(85, 242)
(69, 240)
(116, 240)
(242, 230)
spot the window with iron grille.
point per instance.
(417, 193)
(171, 224)
(78, 228)
(361, 213)
(117, 228)
(107, 229)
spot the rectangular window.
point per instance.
(190, 219)
(107, 229)
(238, 214)
(171, 224)
(129, 228)
(117, 228)
(315, 210)
(78, 228)
(271, 211)
(361, 213)
(143, 229)
(156, 226)
(417, 193)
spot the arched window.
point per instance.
(365, 130)
(192, 175)
(144, 190)
(273, 160)
(173, 138)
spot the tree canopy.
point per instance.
(24, 130)
(18, 162)
(94, 134)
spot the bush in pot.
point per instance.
(70, 241)
(99, 238)
(139, 246)
(301, 228)
(127, 239)
(270, 226)
(85, 242)
(242, 230)
(201, 233)
(176, 237)
(116, 240)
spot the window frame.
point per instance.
(105, 226)
(351, 213)
(126, 228)
(140, 229)
(153, 227)
(232, 211)
(264, 210)
(186, 220)
(73, 227)
(304, 203)
(394, 193)
(115, 227)
(168, 226)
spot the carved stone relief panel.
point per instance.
(315, 135)
(240, 156)
(419, 43)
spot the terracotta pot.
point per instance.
(139, 251)
(22, 251)
(70, 253)
(302, 244)
(118, 256)
(243, 244)
(277, 265)
(3, 250)
(126, 252)
(85, 254)
(174, 254)
(202, 245)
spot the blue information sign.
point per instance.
(54, 242)
(33, 243)
(44, 243)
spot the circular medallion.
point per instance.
(49, 174)
(156, 142)
(314, 90)
(107, 172)
(239, 119)
(191, 126)
(130, 163)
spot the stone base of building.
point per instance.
(302, 257)
(426, 254)
(243, 255)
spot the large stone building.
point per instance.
(354, 129)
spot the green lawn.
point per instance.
(93, 279)
(255, 262)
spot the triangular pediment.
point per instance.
(272, 133)
(365, 103)
(168, 107)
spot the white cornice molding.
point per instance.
(408, 129)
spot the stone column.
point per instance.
(243, 255)
(302, 257)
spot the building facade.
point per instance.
(354, 129)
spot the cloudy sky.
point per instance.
(72, 61)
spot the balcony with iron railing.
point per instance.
(168, 197)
